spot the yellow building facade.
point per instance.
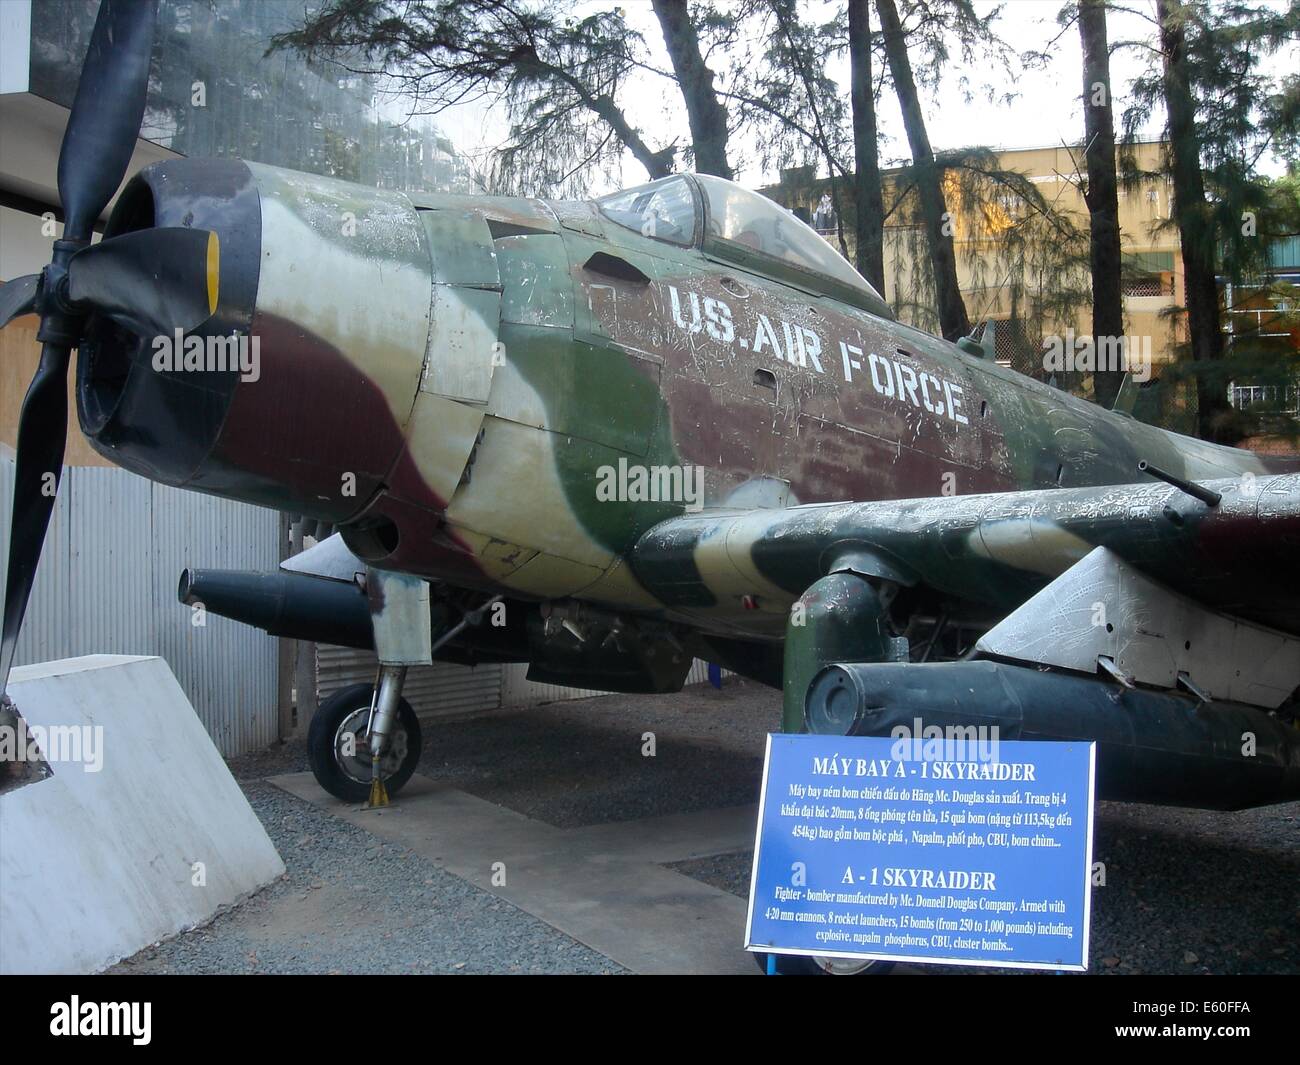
(1153, 270)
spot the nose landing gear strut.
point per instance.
(383, 716)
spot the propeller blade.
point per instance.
(42, 434)
(18, 297)
(106, 112)
(152, 281)
(97, 146)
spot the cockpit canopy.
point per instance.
(731, 222)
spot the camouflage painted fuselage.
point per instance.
(450, 379)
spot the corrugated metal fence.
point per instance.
(440, 690)
(107, 585)
(446, 690)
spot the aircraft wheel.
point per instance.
(339, 752)
(824, 965)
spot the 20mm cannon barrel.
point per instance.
(296, 605)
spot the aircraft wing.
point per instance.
(993, 553)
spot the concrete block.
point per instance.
(141, 834)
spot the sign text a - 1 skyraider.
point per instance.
(883, 524)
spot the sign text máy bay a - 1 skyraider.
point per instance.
(607, 438)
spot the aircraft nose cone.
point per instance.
(156, 404)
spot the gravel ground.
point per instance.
(1188, 891)
(350, 903)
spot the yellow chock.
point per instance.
(378, 793)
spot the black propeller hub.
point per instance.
(61, 321)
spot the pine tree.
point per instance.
(560, 77)
(953, 321)
(1223, 114)
(704, 112)
(1101, 191)
(869, 220)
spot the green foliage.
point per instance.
(1019, 248)
(1242, 114)
(558, 76)
(943, 33)
(799, 115)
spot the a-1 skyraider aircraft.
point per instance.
(607, 438)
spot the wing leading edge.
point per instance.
(992, 552)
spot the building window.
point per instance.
(1147, 273)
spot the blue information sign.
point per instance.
(872, 847)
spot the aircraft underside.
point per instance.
(1047, 631)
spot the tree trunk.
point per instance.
(706, 115)
(787, 17)
(1102, 195)
(657, 163)
(1195, 226)
(934, 211)
(869, 200)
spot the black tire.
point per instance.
(802, 965)
(352, 783)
